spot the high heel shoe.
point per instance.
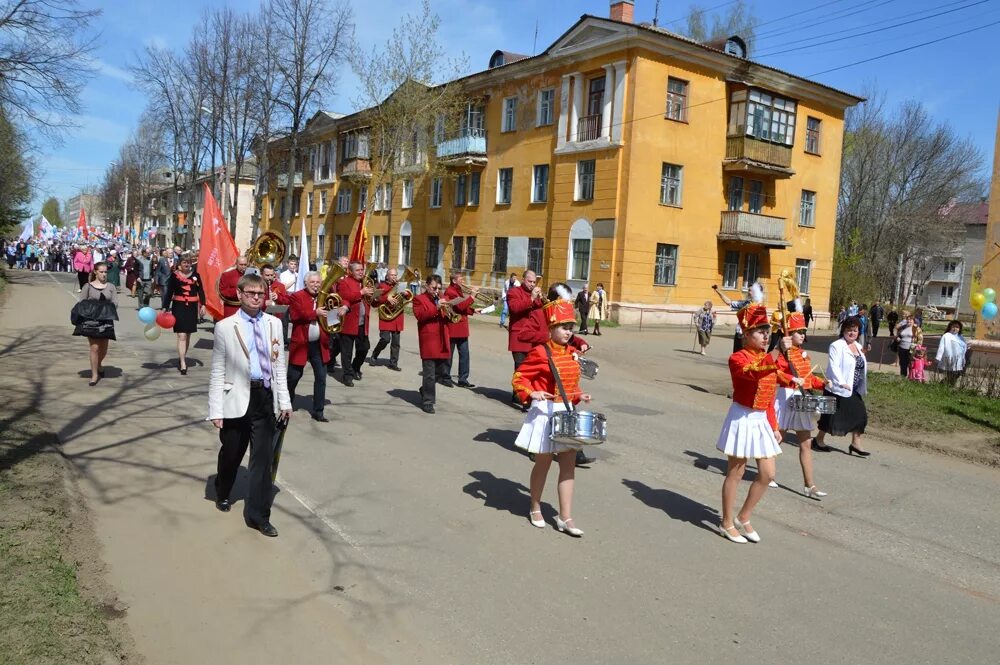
(540, 523)
(813, 493)
(750, 534)
(733, 539)
(566, 527)
(857, 451)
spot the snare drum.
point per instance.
(588, 368)
(813, 404)
(578, 428)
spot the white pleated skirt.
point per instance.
(747, 434)
(534, 436)
(794, 421)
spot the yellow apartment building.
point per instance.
(991, 258)
(622, 154)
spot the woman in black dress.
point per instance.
(185, 298)
(94, 317)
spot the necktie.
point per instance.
(262, 350)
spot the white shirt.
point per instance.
(288, 278)
(951, 352)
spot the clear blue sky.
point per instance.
(956, 79)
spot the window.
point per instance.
(470, 252)
(354, 146)
(404, 250)
(436, 193)
(581, 259)
(756, 196)
(670, 184)
(474, 180)
(383, 197)
(431, 258)
(751, 269)
(807, 209)
(322, 203)
(509, 120)
(362, 198)
(540, 183)
(325, 152)
(950, 267)
(340, 245)
(380, 249)
(812, 135)
(730, 270)
(457, 252)
(309, 204)
(735, 193)
(763, 116)
(460, 187)
(320, 246)
(546, 102)
(500, 255)
(803, 271)
(463, 253)
(536, 251)
(666, 265)
(585, 180)
(947, 291)
(296, 205)
(677, 99)
(407, 194)
(343, 200)
(505, 183)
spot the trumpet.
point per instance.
(447, 309)
(328, 299)
(389, 312)
(479, 298)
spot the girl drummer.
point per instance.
(749, 430)
(800, 422)
(534, 380)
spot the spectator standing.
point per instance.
(114, 269)
(852, 309)
(583, 307)
(598, 307)
(705, 321)
(507, 286)
(904, 337)
(951, 352)
(876, 314)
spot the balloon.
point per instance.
(989, 294)
(989, 311)
(165, 320)
(147, 315)
(977, 300)
(151, 332)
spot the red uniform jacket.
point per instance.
(227, 287)
(385, 289)
(519, 306)
(349, 290)
(756, 378)
(432, 329)
(183, 289)
(281, 297)
(302, 313)
(460, 329)
(803, 369)
(535, 331)
(535, 373)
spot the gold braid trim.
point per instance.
(760, 364)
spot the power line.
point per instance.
(865, 5)
(803, 11)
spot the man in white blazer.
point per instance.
(247, 391)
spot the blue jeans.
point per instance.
(503, 313)
(462, 344)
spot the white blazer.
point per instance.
(840, 369)
(229, 384)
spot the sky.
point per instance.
(956, 79)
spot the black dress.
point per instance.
(184, 296)
(851, 415)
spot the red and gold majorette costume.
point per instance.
(748, 431)
(534, 374)
(789, 420)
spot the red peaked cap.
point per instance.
(558, 312)
(796, 321)
(753, 316)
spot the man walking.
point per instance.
(388, 331)
(309, 342)
(354, 315)
(876, 313)
(458, 332)
(432, 335)
(521, 302)
(583, 307)
(246, 391)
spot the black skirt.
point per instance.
(186, 314)
(94, 329)
(851, 415)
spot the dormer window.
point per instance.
(736, 46)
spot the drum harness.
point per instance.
(559, 384)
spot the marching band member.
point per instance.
(388, 331)
(534, 380)
(290, 274)
(184, 297)
(749, 430)
(335, 338)
(276, 301)
(309, 342)
(227, 286)
(521, 300)
(432, 334)
(459, 332)
(800, 422)
(354, 314)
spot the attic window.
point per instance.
(497, 59)
(736, 46)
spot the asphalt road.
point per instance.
(414, 527)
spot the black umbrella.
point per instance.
(279, 438)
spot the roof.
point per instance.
(976, 214)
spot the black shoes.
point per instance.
(372, 361)
(223, 505)
(428, 408)
(358, 375)
(446, 383)
(857, 451)
(265, 528)
(320, 418)
(348, 381)
(395, 368)
(582, 459)
(466, 384)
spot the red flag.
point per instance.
(216, 253)
(81, 223)
(360, 240)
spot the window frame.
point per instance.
(582, 185)
(665, 267)
(509, 171)
(803, 266)
(734, 283)
(535, 263)
(814, 135)
(362, 198)
(436, 193)
(475, 188)
(322, 202)
(470, 252)
(574, 256)
(457, 252)
(508, 117)
(460, 189)
(807, 209)
(677, 111)
(407, 201)
(498, 242)
(344, 196)
(433, 242)
(536, 181)
(309, 204)
(731, 192)
(546, 107)
(666, 179)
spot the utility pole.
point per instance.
(125, 217)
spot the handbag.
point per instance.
(894, 345)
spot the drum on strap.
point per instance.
(578, 428)
(588, 368)
(813, 404)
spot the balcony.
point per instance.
(356, 168)
(750, 227)
(282, 180)
(745, 154)
(469, 147)
(588, 128)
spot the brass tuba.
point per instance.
(232, 302)
(328, 298)
(370, 282)
(269, 248)
(387, 312)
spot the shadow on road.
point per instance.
(500, 493)
(677, 506)
(408, 396)
(496, 394)
(720, 465)
(502, 437)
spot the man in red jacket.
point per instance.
(309, 342)
(459, 332)
(521, 301)
(227, 286)
(435, 346)
(354, 315)
(388, 331)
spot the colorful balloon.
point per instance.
(989, 294)
(151, 332)
(147, 315)
(165, 320)
(989, 311)
(977, 300)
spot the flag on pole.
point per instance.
(81, 223)
(300, 277)
(218, 252)
(45, 228)
(27, 231)
(360, 240)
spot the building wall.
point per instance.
(991, 271)
(972, 259)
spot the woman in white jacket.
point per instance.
(951, 352)
(847, 372)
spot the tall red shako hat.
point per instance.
(796, 322)
(754, 315)
(558, 312)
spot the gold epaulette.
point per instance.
(759, 364)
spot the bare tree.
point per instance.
(259, 101)
(739, 19)
(310, 38)
(45, 50)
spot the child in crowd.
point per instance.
(918, 362)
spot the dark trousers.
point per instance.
(255, 429)
(583, 320)
(353, 351)
(81, 277)
(334, 344)
(462, 344)
(388, 338)
(904, 361)
(433, 371)
(319, 377)
(875, 324)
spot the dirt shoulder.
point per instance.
(55, 606)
